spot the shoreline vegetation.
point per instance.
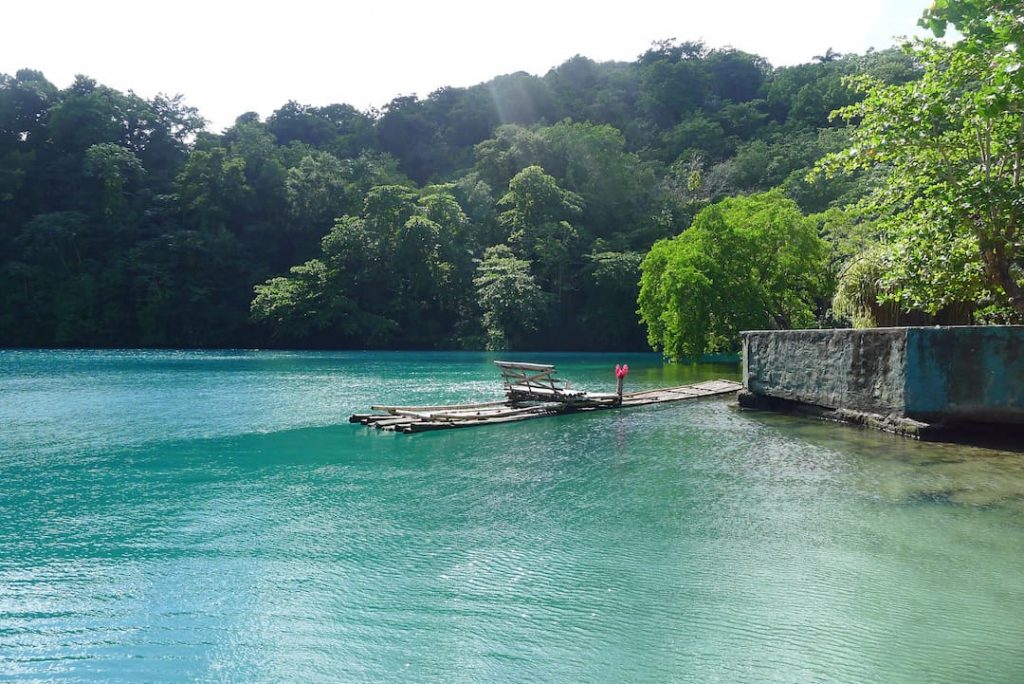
(701, 188)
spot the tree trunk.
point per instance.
(997, 270)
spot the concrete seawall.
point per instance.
(906, 380)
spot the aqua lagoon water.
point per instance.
(211, 516)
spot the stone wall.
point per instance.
(935, 374)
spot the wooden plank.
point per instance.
(469, 415)
(555, 394)
(394, 421)
(708, 386)
(525, 366)
(669, 394)
(444, 425)
(378, 417)
(440, 407)
(528, 379)
(419, 415)
(535, 379)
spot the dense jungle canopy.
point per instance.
(516, 213)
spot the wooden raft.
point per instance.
(531, 391)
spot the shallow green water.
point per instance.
(173, 516)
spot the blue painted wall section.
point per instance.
(969, 373)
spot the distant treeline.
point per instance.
(514, 213)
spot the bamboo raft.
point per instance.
(531, 391)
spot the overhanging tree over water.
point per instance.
(746, 263)
(953, 147)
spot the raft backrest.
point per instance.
(534, 380)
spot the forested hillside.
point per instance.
(514, 213)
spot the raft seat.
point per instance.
(527, 392)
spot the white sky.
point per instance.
(232, 57)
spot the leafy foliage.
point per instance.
(125, 222)
(746, 263)
(512, 302)
(952, 145)
(859, 291)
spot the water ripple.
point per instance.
(177, 516)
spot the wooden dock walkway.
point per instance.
(531, 391)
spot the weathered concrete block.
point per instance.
(939, 374)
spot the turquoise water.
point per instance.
(184, 516)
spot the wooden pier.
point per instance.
(531, 391)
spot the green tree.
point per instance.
(338, 299)
(512, 302)
(695, 133)
(735, 75)
(615, 187)
(746, 263)
(675, 80)
(392, 275)
(510, 150)
(536, 213)
(953, 146)
(339, 128)
(609, 308)
(805, 94)
(212, 188)
(859, 291)
(116, 169)
(316, 192)
(521, 99)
